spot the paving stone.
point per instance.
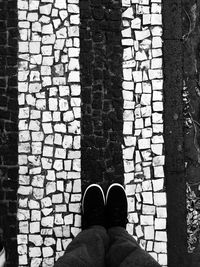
(52, 136)
(46, 128)
(145, 62)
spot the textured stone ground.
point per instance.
(89, 92)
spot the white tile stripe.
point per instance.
(49, 129)
(143, 152)
(49, 125)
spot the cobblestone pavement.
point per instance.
(88, 89)
(122, 130)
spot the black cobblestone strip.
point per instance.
(173, 133)
(8, 128)
(101, 78)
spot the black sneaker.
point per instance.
(93, 207)
(116, 206)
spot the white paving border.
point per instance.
(49, 127)
(49, 190)
(143, 149)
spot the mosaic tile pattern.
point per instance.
(49, 190)
(143, 151)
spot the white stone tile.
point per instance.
(160, 199)
(47, 252)
(146, 99)
(157, 42)
(141, 56)
(128, 153)
(133, 217)
(130, 140)
(160, 247)
(49, 241)
(148, 209)
(141, 9)
(128, 177)
(58, 219)
(74, 207)
(146, 219)
(45, 9)
(137, 157)
(58, 139)
(157, 149)
(157, 128)
(127, 74)
(34, 227)
(128, 85)
(155, 74)
(147, 197)
(147, 172)
(137, 76)
(128, 166)
(130, 189)
(136, 23)
(60, 4)
(141, 35)
(75, 19)
(157, 96)
(156, 52)
(69, 219)
(49, 139)
(47, 211)
(156, 19)
(126, 33)
(158, 160)
(50, 187)
(32, 16)
(157, 31)
(129, 228)
(158, 184)
(158, 106)
(144, 143)
(146, 111)
(160, 224)
(128, 127)
(162, 259)
(157, 139)
(146, 185)
(157, 117)
(128, 13)
(146, 19)
(149, 232)
(126, 2)
(60, 187)
(139, 231)
(72, 8)
(128, 53)
(34, 252)
(60, 153)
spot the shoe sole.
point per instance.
(112, 185)
(92, 185)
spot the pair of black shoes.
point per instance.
(107, 211)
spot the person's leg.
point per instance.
(88, 248)
(124, 250)
(2, 255)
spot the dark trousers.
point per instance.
(96, 247)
